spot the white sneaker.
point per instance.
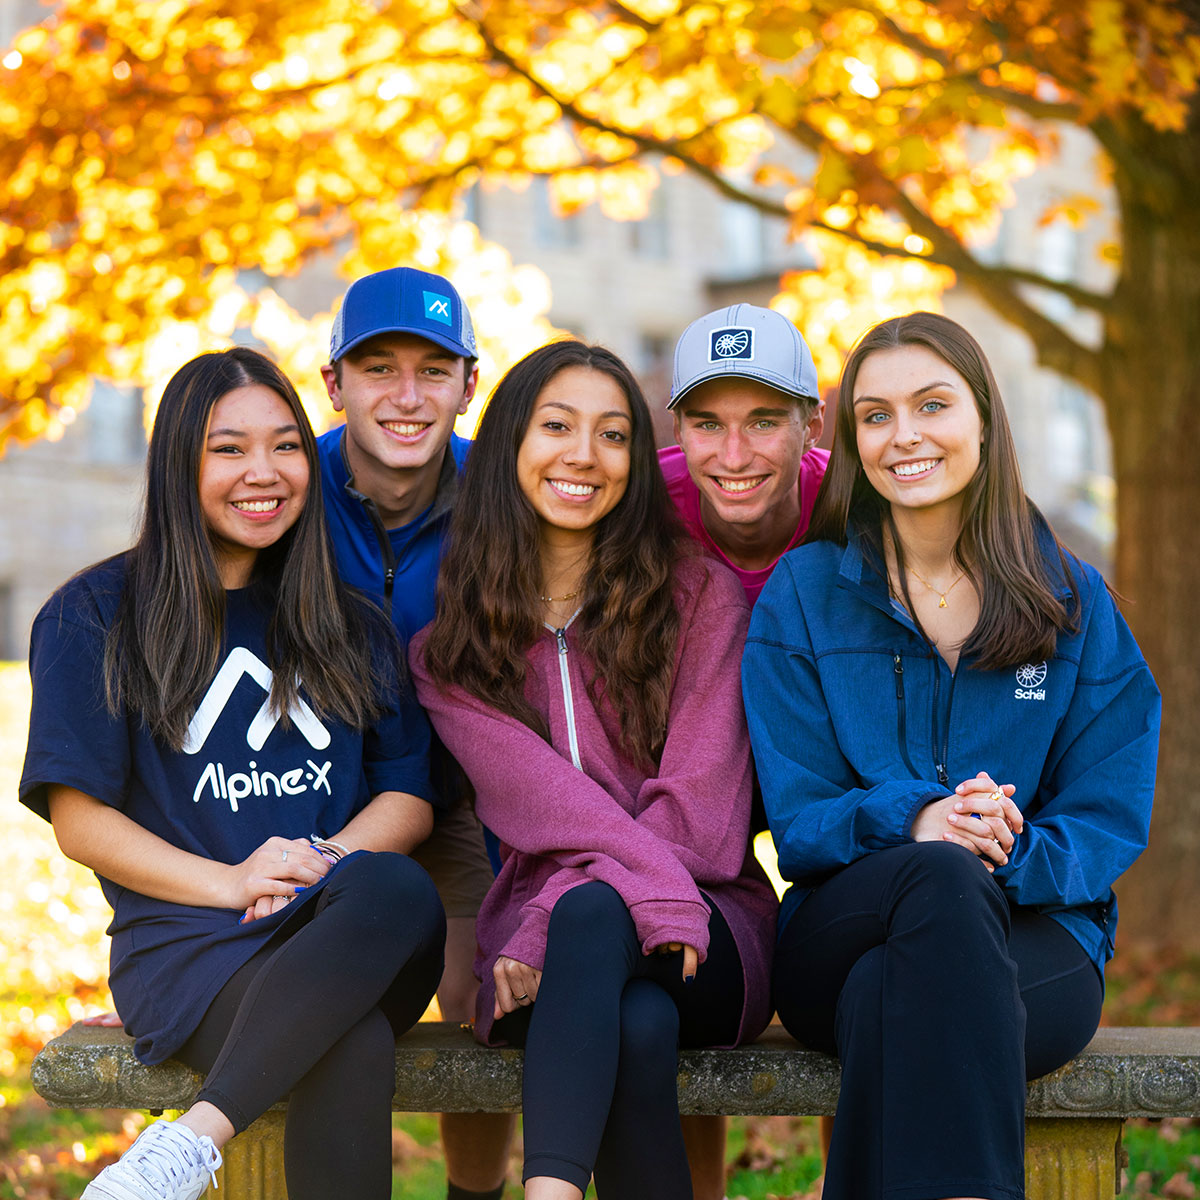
(167, 1162)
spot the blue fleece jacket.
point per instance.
(399, 566)
(857, 724)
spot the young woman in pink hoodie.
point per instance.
(583, 670)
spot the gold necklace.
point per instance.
(939, 594)
(559, 599)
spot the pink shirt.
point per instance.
(686, 496)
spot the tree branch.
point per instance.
(1054, 346)
(675, 148)
(1042, 110)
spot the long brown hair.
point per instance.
(165, 643)
(1021, 609)
(488, 611)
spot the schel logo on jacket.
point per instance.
(1030, 677)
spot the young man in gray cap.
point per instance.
(743, 478)
(748, 415)
(402, 368)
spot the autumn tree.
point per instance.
(152, 148)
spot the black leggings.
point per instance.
(601, 1047)
(316, 1012)
(941, 1001)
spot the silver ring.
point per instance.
(285, 856)
(519, 999)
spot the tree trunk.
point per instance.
(1151, 360)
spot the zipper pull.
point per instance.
(561, 635)
(898, 667)
(943, 775)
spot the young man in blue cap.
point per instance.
(401, 369)
(743, 478)
(748, 415)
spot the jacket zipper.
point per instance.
(385, 550)
(564, 672)
(942, 773)
(901, 719)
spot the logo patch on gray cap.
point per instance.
(734, 341)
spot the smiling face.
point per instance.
(743, 442)
(573, 462)
(253, 477)
(918, 428)
(401, 394)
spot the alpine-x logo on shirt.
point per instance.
(234, 786)
(437, 308)
(735, 341)
(1030, 678)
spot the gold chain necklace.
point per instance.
(939, 594)
(559, 599)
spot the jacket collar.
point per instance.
(861, 570)
(444, 497)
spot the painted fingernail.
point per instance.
(953, 818)
(301, 888)
(688, 978)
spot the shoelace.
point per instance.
(172, 1158)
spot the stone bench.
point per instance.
(1073, 1117)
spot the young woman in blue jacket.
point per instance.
(955, 734)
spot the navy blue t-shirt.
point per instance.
(240, 779)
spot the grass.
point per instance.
(54, 916)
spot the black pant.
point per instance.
(601, 1047)
(941, 1001)
(316, 1012)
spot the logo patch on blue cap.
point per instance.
(735, 341)
(437, 308)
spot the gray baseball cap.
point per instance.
(747, 342)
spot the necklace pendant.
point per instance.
(942, 603)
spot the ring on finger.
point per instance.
(521, 999)
(997, 796)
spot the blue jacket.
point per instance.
(398, 566)
(857, 724)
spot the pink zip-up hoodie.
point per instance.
(576, 809)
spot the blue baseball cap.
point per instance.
(747, 342)
(403, 300)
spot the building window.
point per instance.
(8, 647)
(551, 230)
(114, 423)
(651, 236)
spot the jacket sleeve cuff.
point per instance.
(659, 922)
(528, 944)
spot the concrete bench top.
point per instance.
(1124, 1072)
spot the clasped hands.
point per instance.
(271, 877)
(980, 816)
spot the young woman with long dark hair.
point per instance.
(955, 735)
(224, 733)
(579, 668)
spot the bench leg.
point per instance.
(1072, 1159)
(253, 1168)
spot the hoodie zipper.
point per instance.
(564, 673)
